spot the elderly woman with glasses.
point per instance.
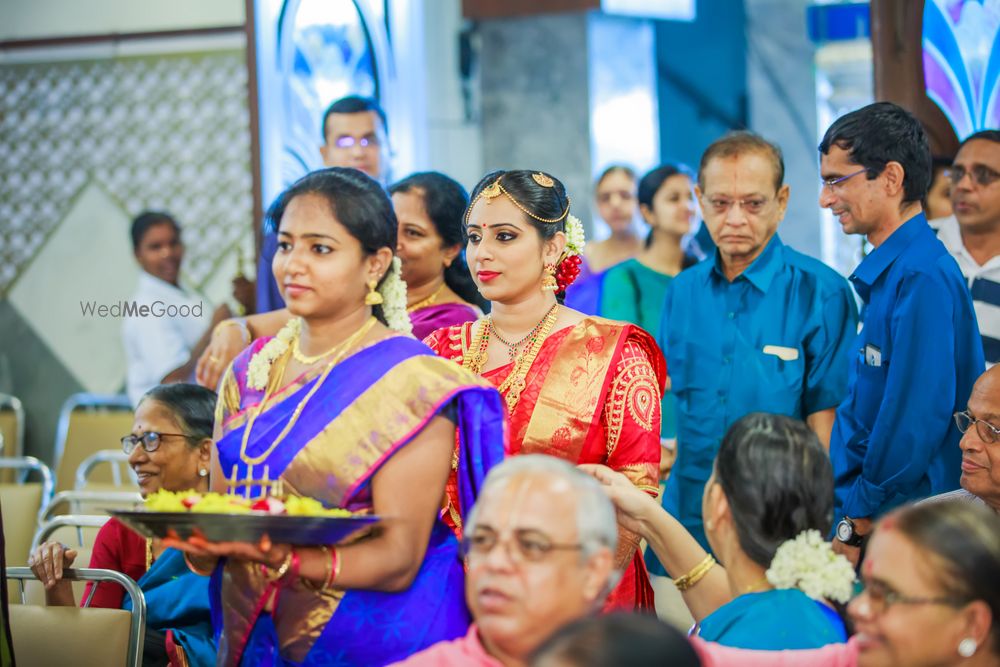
(931, 597)
(169, 448)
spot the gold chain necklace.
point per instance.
(512, 348)
(308, 361)
(149, 553)
(346, 347)
(476, 356)
(429, 301)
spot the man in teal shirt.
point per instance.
(757, 327)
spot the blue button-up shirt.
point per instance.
(776, 339)
(915, 361)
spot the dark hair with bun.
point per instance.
(778, 481)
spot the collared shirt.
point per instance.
(156, 345)
(915, 361)
(983, 282)
(775, 339)
(465, 651)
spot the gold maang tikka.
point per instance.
(495, 189)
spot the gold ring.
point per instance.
(214, 359)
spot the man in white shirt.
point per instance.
(972, 234)
(163, 344)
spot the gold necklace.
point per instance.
(512, 387)
(474, 357)
(512, 348)
(308, 361)
(149, 553)
(346, 347)
(429, 301)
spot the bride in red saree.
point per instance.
(583, 389)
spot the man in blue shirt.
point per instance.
(756, 327)
(919, 351)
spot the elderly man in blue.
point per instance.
(758, 327)
(919, 351)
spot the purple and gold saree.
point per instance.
(370, 406)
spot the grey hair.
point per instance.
(596, 525)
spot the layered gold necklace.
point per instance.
(530, 345)
(339, 351)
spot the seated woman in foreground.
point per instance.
(931, 597)
(767, 508)
(170, 449)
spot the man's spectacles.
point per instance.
(980, 174)
(832, 183)
(150, 441)
(750, 205)
(881, 596)
(347, 141)
(987, 431)
(523, 546)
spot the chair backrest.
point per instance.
(88, 423)
(114, 461)
(74, 636)
(89, 502)
(20, 504)
(75, 530)
(11, 431)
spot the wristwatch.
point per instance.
(848, 534)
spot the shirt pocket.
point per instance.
(780, 381)
(869, 390)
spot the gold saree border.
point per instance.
(573, 390)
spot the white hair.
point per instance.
(596, 525)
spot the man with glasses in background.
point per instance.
(972, 233)
(918, 352)
(539, 550)
(756, 327)
(980, 445)
(355, 134)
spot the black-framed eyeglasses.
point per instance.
(522, 546)
(980, 174)
(347, 141)
(832, 183)
(881, 596)
(150, 441)
(987, 431)
(750, 205)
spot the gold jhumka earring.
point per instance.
(549, 283)
(374, 297)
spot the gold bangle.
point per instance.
(244, 329)
(696, 574)
(328, 565)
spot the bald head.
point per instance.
(980, 443)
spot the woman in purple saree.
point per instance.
(370, 425)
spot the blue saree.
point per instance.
(370, 406)
(177, 601)
(773, 620)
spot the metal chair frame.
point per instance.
(138, 630)
(112, 456)
(78, 521)
(14, 403)
(74, 498)
(83, 400)
(26, 464)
